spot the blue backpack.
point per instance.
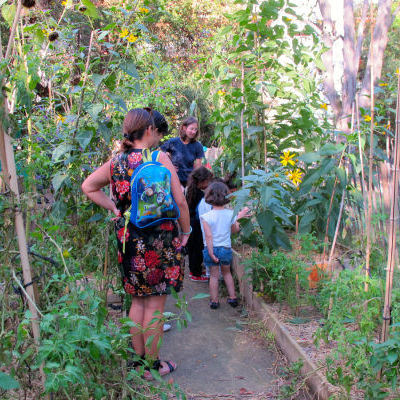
(152, 201)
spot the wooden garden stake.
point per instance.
(10, 44)
(19, 225)
(242, 123)
(83, 84)
(297, 271)
(336, 234)
(333, 194)
(10, 177)
(360, 152)
(392, 226)
(328, 268)
(330, 210)
(370, 161)
(265, 150)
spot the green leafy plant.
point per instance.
(352, 316)
(267, 193)
(274, 275)
(295, 381)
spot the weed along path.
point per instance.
(216, 355)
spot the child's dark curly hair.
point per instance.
(198, 175)
(216, 194)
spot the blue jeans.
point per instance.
(224, 255)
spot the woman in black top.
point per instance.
(186, 151)
(198, 181)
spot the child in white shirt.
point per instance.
(218, 224)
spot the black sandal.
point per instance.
(233, 302)
(136, 361)
(156, 366)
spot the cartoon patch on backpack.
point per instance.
(152, 200)
(155, 198)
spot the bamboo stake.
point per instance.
(10, 175)
(83, 84)
(265, 149)
(393, 219)
(241, 124)
(23, 249)
(31, 186)
(26, 293)
(1, 47)
(333, 248)
(370, 161)
(361, 154)
(297, 272)
(336, 233)
(10, 44)
(330, 210)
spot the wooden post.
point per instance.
(336, 234)
(241, 124)
(392, 226)
(370, 161)
(297, 271)
(19, 226)
(329, 211)
(361, 154)
(10, 177)
(83, 84)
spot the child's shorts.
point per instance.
(224, 255)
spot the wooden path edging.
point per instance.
(292, 350)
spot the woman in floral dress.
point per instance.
(152, 263)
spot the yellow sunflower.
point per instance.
(287, 158)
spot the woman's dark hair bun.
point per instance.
(160, 122)
(135, 124)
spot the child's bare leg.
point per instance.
(214, 274)
(230, 285)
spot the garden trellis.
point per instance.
(9, 175)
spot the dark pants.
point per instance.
(195, 249)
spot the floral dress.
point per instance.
(153, 261)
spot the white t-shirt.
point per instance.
(220, 222)
(203, 208)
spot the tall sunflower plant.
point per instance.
(270, 196)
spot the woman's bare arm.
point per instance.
(197, 163)
(93, 184)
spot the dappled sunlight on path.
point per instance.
(215, 355)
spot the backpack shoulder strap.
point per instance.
(155, 155)
(148, 155)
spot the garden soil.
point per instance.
(216, 354)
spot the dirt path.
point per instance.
(215, 355)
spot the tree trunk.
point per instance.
(383, 23)
(352, 49)
(349, 64)
(327, 57)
